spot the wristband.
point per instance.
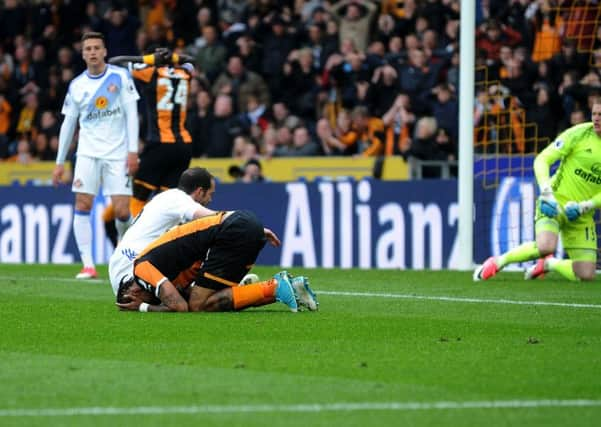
(148, 59)
(143, 307)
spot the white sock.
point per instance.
(82, 228)
(122, 226)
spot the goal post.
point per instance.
(465, 182)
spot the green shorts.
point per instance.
(578, 237)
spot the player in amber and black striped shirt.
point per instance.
(165, 80)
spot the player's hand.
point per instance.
(271, 237)
(547, 203)
(574, 210)
(134, 299)
(129, 306)
(183, 58)
(132, 163)
(162, 56)
(57, 174)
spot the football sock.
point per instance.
(254, 295)
(524, 252)
(108, 217)
(111, 232)
(561, 266)
(108, 214)
(135, 206)
(82, 228)
(121, 226)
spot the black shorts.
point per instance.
(161, 165)
(234, 252)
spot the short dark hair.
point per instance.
(92, 35)
(193, 178)
(124, 288)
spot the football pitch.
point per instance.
(386, 348)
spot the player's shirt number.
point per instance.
(181, 93)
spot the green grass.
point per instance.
(64, 346)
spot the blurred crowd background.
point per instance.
(316, 78)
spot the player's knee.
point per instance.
(586, 274)
(83, 203)
(546, 248)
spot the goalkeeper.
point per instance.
(566, 205)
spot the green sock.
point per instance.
(524, 252)
(563, 267)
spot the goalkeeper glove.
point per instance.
(547, 202)
(573, 210)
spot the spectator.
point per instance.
(492, 35)
(399, 121)
(252, 171)
(428, 144)
(355, 19)
(278, 42)
(250, 53)
(222, 128)
(417, 76)
(119, 29)
(383, 90)
(299, 83)
(320, 46)
(5, 123)
(445, 110)
(302, 144)
(568, 59)
(211, 57)
(543, 121)
(240, 83)
(23, 153)
(199, 119)
(370, 132)
(28, 116)
(548, 26)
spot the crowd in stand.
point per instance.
(313, 78)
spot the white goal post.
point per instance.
(465, 191)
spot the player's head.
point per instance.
(596, 115)
(130, 287)
(199, 184)
(93, 49)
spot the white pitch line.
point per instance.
(457, 299)
(47, 279)
(360, 294)
(307, 408)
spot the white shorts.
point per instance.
(90, 173)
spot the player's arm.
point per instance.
(65, 136)
(171, 300)
(161, 56)
(271, 237)
(133, 132)
(542, 165)
(202, 211)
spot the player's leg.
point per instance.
(237, 246)
(547, 230)
(108, 218)
(86, 182)
(179, 161)
(117, 185)
(142, 191)
(580, 240)
(153, 162)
